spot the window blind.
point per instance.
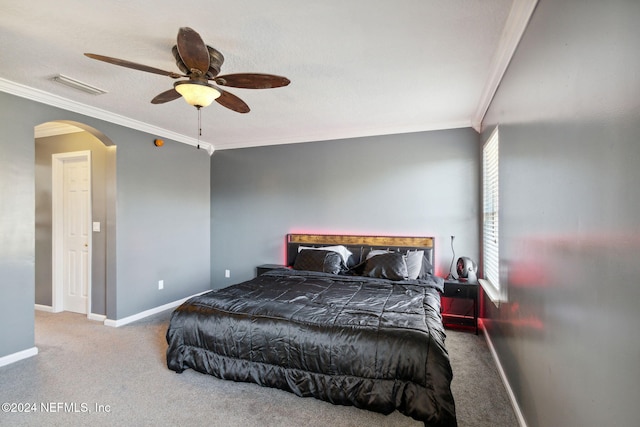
(490, 226)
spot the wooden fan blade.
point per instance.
(232, 102)
(166, 96)
(252, 81)
(192, 50)
(129, 64)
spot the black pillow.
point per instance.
(318, 260)
(392, 266)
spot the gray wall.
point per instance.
(410, 184)
(162, 219)
(569, 115)
(45, 148)
(17, 231)
(163, 222)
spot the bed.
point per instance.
(354, 320)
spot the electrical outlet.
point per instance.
(160, 284)
(227, 273)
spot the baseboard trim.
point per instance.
(15, 357)
(503, 377)
(96, 317)
(46, 308)
(90, 316)
(147, 313)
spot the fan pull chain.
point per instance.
(199, 125)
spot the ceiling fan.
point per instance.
(201, 64)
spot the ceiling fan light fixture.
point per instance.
(198, 94)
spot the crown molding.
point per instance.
(345, 134)
(47, 98)
(515, 26)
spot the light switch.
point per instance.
(96, 226)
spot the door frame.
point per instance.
(57, 205)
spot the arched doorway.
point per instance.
(61, 146)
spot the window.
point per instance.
(490, 219)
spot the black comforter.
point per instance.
(372, 343)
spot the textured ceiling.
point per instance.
(357, 67)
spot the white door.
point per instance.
(73, 236)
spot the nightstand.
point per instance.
(464, 290)
(261, 269)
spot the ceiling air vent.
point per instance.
(68, 81)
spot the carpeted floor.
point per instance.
(89, 374)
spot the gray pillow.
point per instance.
(414, 264)
(427, 269)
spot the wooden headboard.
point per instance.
(359, 245)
